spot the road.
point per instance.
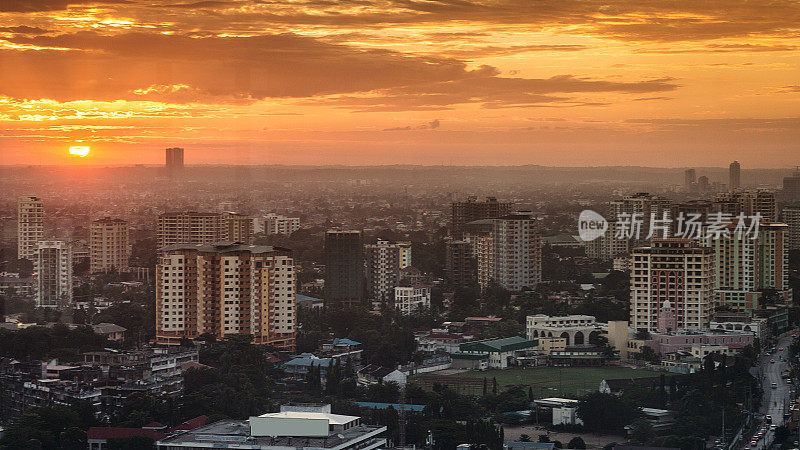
(775, 401)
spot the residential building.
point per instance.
(574, 329)
(773, 260)
(404, 254)
(109, 245)
(174, 160)
(311, 427)
(409, 298)
(638, 210)
(382, 270)
(482, 247)
(734, 176)
(226, 289)
(459, 264)
(30, 226)
(471, 210)
(344, 267)
(517, 252)
(277, 224)
(203, 228)
(791, 186)
(748, 203)
(689, 179)
(791, 216)
(674, 276)
(53, 267)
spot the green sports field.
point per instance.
(553, 381)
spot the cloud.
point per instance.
(23, 29)
(432, 125)
(722, 48)
(27, 6)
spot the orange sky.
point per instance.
(553, 82)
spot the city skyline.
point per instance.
(353, 83)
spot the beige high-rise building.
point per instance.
(30, 226)
(639, 209)
(203, 228)
(749, 203)
(226, 289)
(109, 245)
(517, 249)
(53, 266)
(672, 285)
(791, 216)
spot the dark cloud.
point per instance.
(432, 125)
(23, 29)
(723, 48)
(52, 5)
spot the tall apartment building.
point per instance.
(773, 260)
(382, 269)
(109, 245)
(791, 217)
(30, 225)
(344, 267)
(517, 246)
(791, 187)
(459, 263)
(689, 179)
(53, 267)
(278, 224)
(226, 289)
(174, 160)
(749, 203)
(471, 210)
(639, 208)
(734, 176)
(672, 285)
(404, 255)
(482, 246)
(203, 228)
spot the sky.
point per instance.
(360, 82)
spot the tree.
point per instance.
(544, 438)
(605, 413)
(642, 432)
(576, 442)
(524, 438)
(649, 355)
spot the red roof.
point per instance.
(154, 426)
(192, 424)
(105, 433)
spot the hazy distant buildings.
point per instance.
(672, 285)
(517, 252)
(226, 289)
(203, 228)
(344, 267)
(629, 224)
(791, 187)
(791, 216)
(734, 176)
(30, 226)
(53, 267)
(749, 203)
(382, 269)
(109, 245)
(471, 210)
(689, 179)
(174, 160)
(277, 224)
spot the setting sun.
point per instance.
(79, 151)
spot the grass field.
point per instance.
(554, 381)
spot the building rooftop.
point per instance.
(222, 247)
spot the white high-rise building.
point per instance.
(672, 285)
(109, 245)
(409, 298)
(517, 251)
(277, 224)
(383, 269)
(30, 226)
(53, 266)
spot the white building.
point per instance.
(310, 427)
(404, 255)
(576, 329)
(412, 298)
(672, 286)
(30, 226)
(109, 245)
(53, 267)
(517, 252)
(382, 261)
(277, 224)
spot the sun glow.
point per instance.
(78, 150)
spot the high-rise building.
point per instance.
(30, 226)
(674, 276)
(773, 260)
(482, 246)
(344, 267)
(404, 255)
(471, 210)
(517, 246)
(174, 160)
(226, 289)
(203, 228)
(749, 203)
(791, 216)
(735, 268)
(703, 184)
(460, 267)
(109, 246)
(277, 224)
(791, 187)
(689, 179)
(637, 209)
(53, 267)
(734, 176)
(689, 210)
(383, 269)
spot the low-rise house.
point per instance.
(501, 353)
(374, 374)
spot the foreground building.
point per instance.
(203, 228)
(749, 203)
(296, 426)
(672, 285)
(575, 329)
(30, 226)
(382, 269)
(109, 245)
(226, 289)
(53, 266)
